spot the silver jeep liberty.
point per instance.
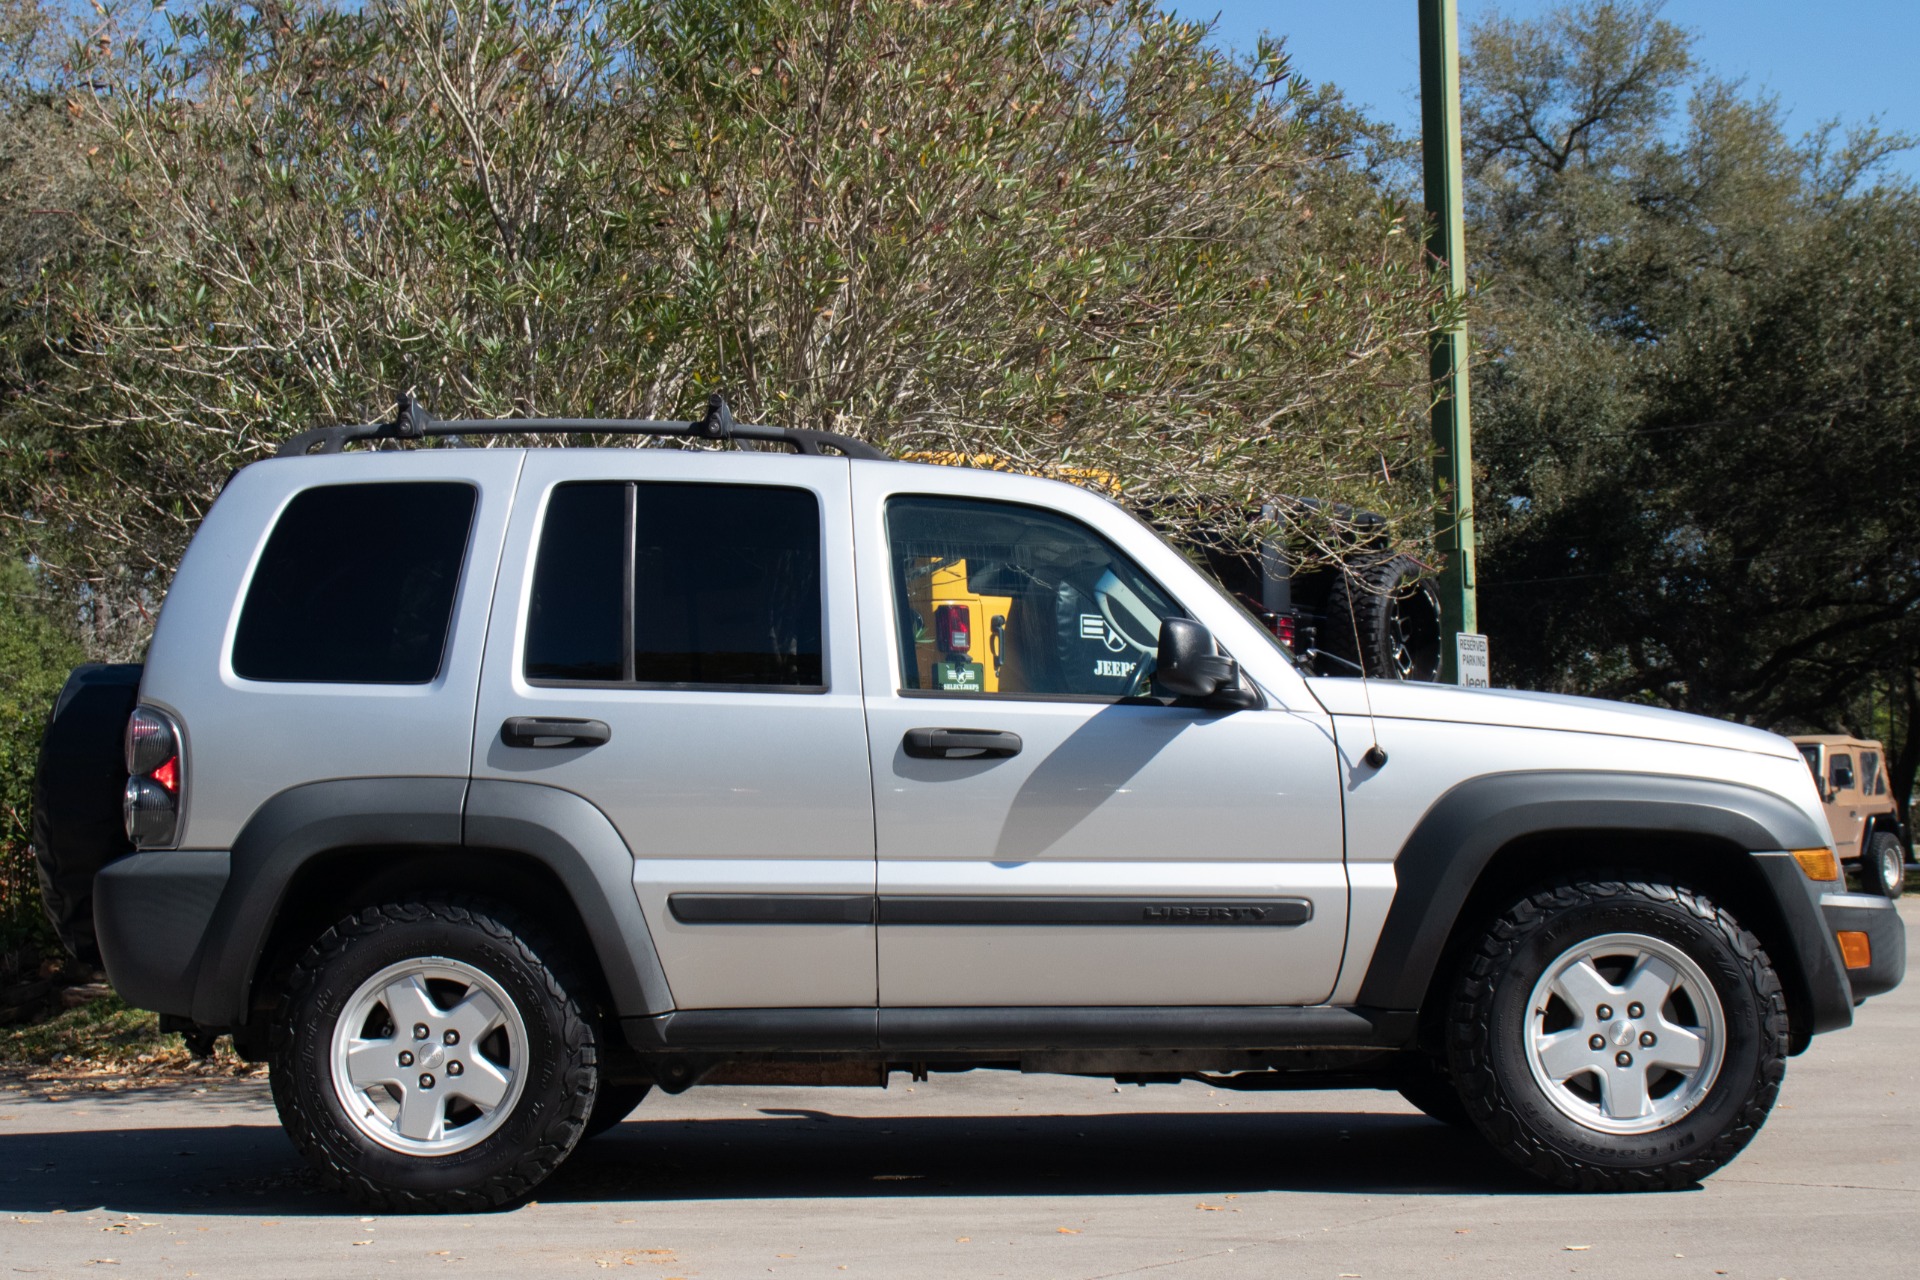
(482, 790)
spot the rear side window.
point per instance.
(681, 585)
(356, 585)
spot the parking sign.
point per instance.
(1470, 660)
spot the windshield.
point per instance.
(1812, 753)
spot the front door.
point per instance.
(1047, 834)
(704, 615)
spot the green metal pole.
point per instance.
(1452, 425)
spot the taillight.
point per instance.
(151, 803)
(953, 628)
(1283, 628)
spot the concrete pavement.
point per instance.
(986, 1175)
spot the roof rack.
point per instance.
(411, 421)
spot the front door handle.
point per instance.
(553, 731)
(960, 744)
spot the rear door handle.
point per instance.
(959, 744)
(553, 731)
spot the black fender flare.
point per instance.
(1451, 846)
(581, 846)
(560, 830)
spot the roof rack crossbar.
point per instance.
(411, 421)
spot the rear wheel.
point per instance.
(433, 1056)
(1884, 871)
(1613, 1035)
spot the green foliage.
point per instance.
(1067, 234)
(35, 655)
(1699, 386)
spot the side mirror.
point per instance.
(1189, 666)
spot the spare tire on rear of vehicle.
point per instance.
(77, 824)
(1383, 618)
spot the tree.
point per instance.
(1699, 382)
(1064, 234)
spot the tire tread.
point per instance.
(1469, 1041)
(557, 1139)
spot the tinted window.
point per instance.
(577, 613)
(356, 585)
(725, 586)
(994, 598)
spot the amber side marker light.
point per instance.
(1819, 864)
(1855, 950)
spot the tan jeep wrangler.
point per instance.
(1867, 832)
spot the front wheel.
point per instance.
(433, 1056)
(614, 1103)
(1618, 1035)
(1884, 870)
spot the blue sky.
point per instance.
(1845, 59)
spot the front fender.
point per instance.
(1448, 850)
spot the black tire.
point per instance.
(613, 1103)
(554, 1065)
(82, 771)
(1884, 869)
(1383, 615)
(1551, 1130)
(1428, 1088)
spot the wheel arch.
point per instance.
(317, 852)
(1491, 839)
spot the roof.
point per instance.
(1836, 740)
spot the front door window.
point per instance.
(992, 598)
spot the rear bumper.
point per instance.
(1879, 919)
(150, 913)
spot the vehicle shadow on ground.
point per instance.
(802, 1155)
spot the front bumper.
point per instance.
(1879, 919)
(150, 913)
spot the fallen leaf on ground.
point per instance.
(1577, 1248)
(1066, 1231)
(1210, 1208)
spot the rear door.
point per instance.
(700, 607)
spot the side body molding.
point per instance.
(579, 845)
(1444, 857)
(558, 829)
(286, 831)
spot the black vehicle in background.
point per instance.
(1373, 610)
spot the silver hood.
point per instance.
(1402, 700)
